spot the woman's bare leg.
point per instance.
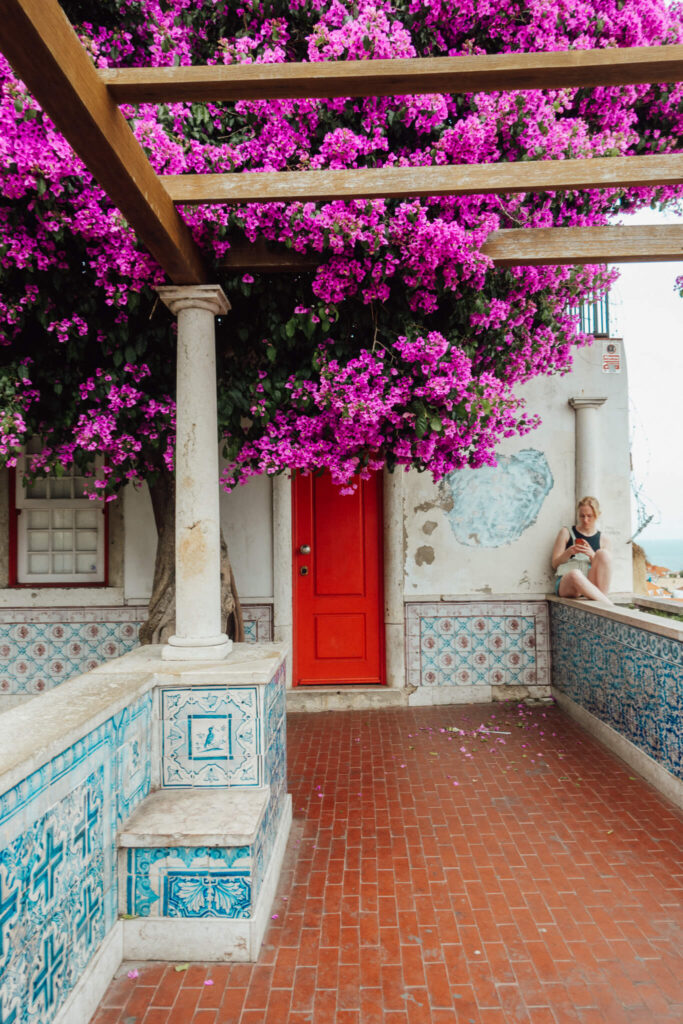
(575, 584)
(601, 570)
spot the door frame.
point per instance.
(393, 558)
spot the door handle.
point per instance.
(305, 549)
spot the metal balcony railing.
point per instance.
(594, 316)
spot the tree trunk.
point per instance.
(160, 622)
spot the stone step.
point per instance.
(345, 698)
(197, 872)
(196, 817)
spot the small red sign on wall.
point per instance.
(611, 357)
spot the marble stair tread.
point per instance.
(196, 817)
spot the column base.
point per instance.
(197, 648)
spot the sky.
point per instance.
(649, 317)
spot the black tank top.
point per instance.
(594, 541)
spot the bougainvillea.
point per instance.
(405, 345)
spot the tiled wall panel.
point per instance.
(626, 676)
(194, 881)
(58, 883)
(210, 736)
(479, 643)
(40, 648)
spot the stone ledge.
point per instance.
(628, 616)
(62, 597)
(246, 664)
(196, 817)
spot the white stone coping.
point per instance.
(628, 616)
(246, 663)
(475, 595)
(665, 604)
(196, 817)
(32, 733)
(61, 597)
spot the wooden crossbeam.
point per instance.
(507, 248)
(503, 71)
(611, 244)
(45, 52)
(397, 182)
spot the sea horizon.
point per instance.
(665, 552)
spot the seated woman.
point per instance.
(581, 556)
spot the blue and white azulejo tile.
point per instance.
(210, 736)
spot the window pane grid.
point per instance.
(61, 533)
(62, 541)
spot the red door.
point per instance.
(337, 564)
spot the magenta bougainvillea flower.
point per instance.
(403, 345)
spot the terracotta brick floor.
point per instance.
(434, 876)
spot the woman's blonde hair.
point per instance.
(593, 502)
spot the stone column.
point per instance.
(394, 611)
(198, 634)
(588, 446)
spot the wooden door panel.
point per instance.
(338, 622)
(337, 528)
(340, 636)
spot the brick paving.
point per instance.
(514, 872)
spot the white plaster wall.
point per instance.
(246, 519)
(140, 544)
(436, 564)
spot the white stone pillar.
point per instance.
(588, 446)
(394, 610)
(198, 634)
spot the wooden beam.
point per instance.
(508, 248)
(503, 71)
(265, 257)
(399, 182)
(645, 243)
(46, 54)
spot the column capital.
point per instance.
(194, 296)
(586, 403)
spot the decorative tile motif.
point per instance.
(624, 675)
(41, 648)
(210, 736)
(189, 882)
(58, 886)
(258, 623)
(487, 643)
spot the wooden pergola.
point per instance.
(45, 52)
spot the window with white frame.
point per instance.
(60, 531)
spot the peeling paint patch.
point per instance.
(494, 505)
(444, 502)
(429, 527)
(424, 556)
